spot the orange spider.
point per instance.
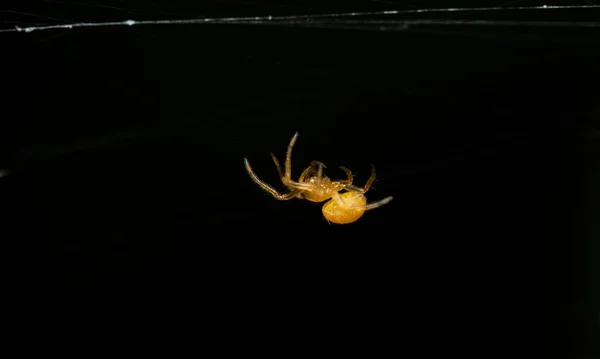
(341, 208)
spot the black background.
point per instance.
(127, 192)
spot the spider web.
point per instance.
(24, 27)
(37, 24)
(376, 20)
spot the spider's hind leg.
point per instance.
(338, 198)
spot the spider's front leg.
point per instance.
(272, 191)
(307, 171)
(288, 158)
(351, 187)
(319, 166)
(350, 176)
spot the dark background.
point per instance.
(127, 193)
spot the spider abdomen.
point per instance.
(340, 214)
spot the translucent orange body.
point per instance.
(340, 214)
(313, 185)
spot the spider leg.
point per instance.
(371, 179)
(299, 186)
(288, 158)
(279, 170)
(320, 166)
(304, 174)
(296, 193)
(347, 182)
(272, 191)
(354, 188)
(350, 187)
(366, 207)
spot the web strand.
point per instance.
(332, 18)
